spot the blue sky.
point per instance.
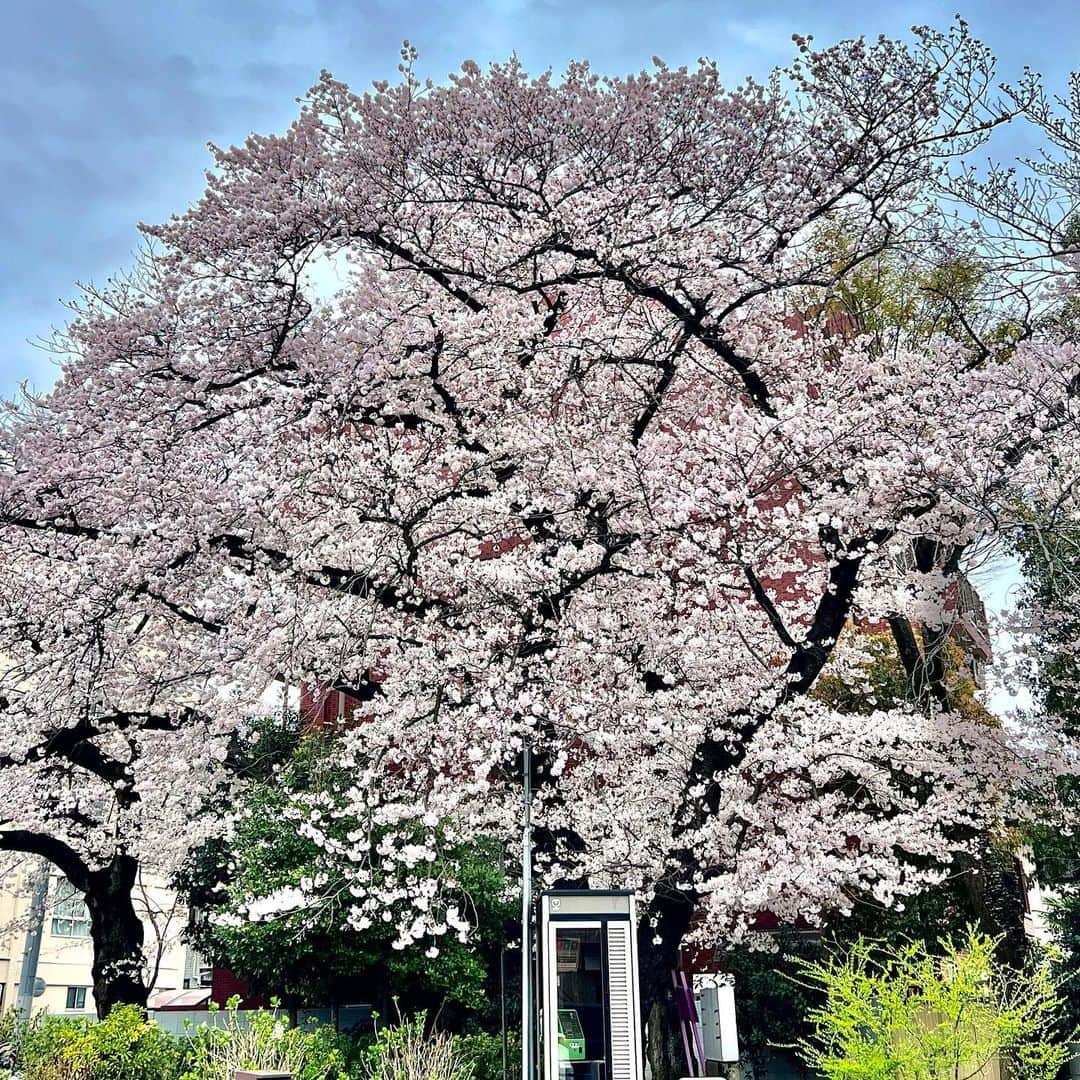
(106, 106)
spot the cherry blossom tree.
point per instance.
(515, 409)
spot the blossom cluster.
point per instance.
(485, 404)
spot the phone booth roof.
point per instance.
(610, 903)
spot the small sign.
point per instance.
(567, 952)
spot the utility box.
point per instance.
(590, 1009)
(716, 1013)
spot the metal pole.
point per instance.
(502, 1008)
(502, 977)
(527, 1049)
(24, 1003)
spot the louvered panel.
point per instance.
(621, 997)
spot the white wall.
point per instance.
(65, 961)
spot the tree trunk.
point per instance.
(659, 1012)
(117, 936)
(995, 897)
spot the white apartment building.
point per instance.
(64, 984)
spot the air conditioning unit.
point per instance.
(716, 1014)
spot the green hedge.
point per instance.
(128, 1046)
(125, 1046)
(485, 1052)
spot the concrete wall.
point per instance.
(176, 1023)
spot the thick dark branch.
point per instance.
(64, 528)
(907, 645)
(348, 582)
(716, 756)
(926, 664)
(691, 319)
(61, 855)
(925, 669)
(184, 614)
(833, 608)
(73, 744)
(667, 374)
(440, 277)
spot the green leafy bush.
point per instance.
(265, 1042)
(485, 1053)
(312, 954)
(8, 1034)
(128, 1046)
(894, 1012)
(124, 1046)
(42, 1044)
(407, 1052)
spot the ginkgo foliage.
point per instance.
(513, 408)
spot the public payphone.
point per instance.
(589, 1002)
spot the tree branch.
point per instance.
(61, 855)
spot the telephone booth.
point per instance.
(590, 1012)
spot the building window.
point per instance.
(76, 997)
(69, 915)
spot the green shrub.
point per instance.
(485, 1052)
(406, 1052)
(7, 1043)
(266, 1042)
(900, 1011)
(124, 1046)
(41, 1046)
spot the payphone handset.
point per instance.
(571, 1036)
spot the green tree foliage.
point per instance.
(1050, 558)
(8, 1032)
(775, 1004)
(1051, 564)
(313, 956)
(905, 1012)
(1069, 235)
(882, 683)
(905, 298)
(1063, 920)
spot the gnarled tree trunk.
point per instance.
(117, 935)
(664, 1051)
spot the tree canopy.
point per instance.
(514, 408)
(313, 955)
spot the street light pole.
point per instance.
(527, 1049)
